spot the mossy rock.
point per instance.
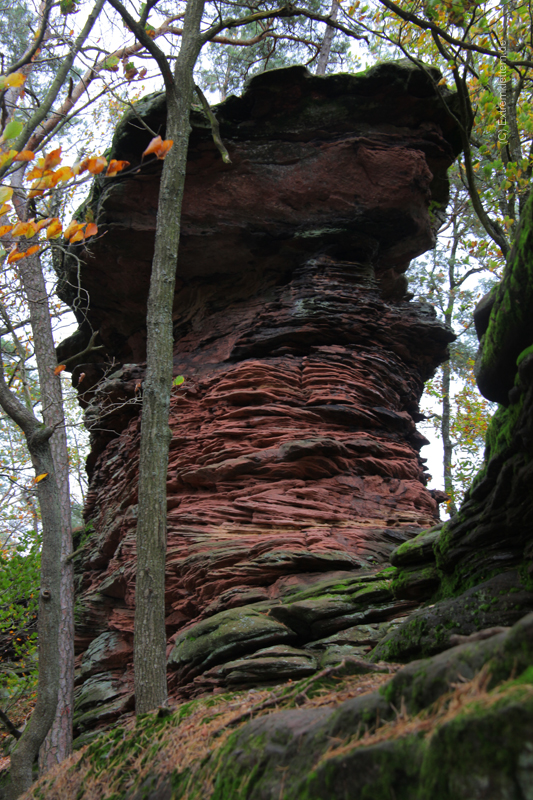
(225, 636)
(510, 328)
(500, 601)
(418, 550)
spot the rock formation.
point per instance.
(303, 544)
(294, 467)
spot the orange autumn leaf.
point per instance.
(96, 165)
(5, 229)
(158, 147)
(33, 249)
(39, 186)
(116, 166)
(73, 228)
(80, 166)
(77, 237)
(42, 224)
(27, 229)
(40, 477)
(15, 255)
(59, 369)
(153, 146)
(163, 150)
(25, 155)
(36, 172)
(91, 230)
(54, 229)
(62, 174)
(51, 160)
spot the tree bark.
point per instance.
(37, 438)
(149, 628)
(325, 50)
(447, 445)
(58, 743)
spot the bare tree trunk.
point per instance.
(447, 444)
(149, 630)
(325, 50)
(58, 743)
(37, 438)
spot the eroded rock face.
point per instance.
(294, 465)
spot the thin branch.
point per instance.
(215, 128)
(9, 725)
(27, 56)
(147, 42)
(463, 45)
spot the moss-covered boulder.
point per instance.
(458, 725)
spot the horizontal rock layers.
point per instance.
(294, 465)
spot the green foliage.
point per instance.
(226, 67)
(453, 279)
(19, 593)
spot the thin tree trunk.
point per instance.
(58, 743)
(37, 438)
(149, 628)
(325, 50)
(447, 445)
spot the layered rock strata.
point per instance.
(294, 465)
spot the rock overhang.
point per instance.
(348, 166)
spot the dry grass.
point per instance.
(463, 695)
(179, 741)
(178, 745)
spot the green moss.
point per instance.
(501, 428)
(525, 678)
(524, 354)
(477, 753)
(409, 578)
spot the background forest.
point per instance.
(69, 71)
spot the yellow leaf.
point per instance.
(40, 477)
(77, 237)
(5, 157)
(54, 229)
(5, 229)
(14, 80)
(6, 193)
(63, 174)
(27, 229)
(4, 209)
(59, 369)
